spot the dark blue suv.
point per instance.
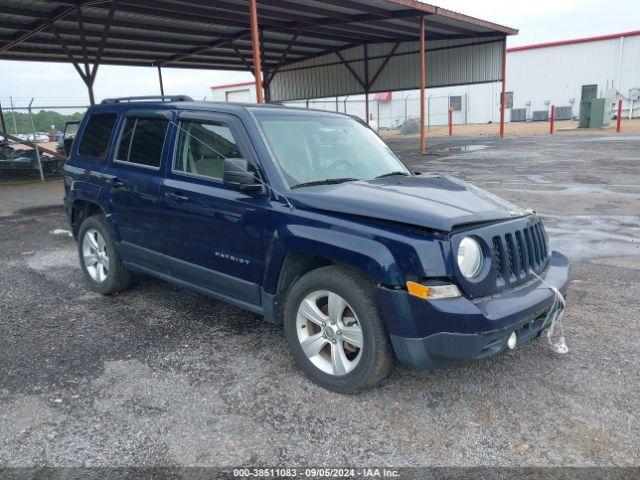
(308, 219)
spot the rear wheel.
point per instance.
(101, 264)
(335, 332)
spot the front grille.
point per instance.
(513, 248)
(516, 253)
(497, 256)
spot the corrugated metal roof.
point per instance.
(203, 34)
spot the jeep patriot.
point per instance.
(308, 219)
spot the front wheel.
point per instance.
(335, 332)
(101, 264)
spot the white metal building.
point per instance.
(242, 92)
(554, 73)
(538, 76)
(546, 74)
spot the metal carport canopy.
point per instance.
(297, 48)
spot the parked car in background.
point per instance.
(308, 219)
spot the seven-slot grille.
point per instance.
(517, 252)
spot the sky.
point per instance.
(538, 21)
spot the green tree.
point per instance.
(43, 120)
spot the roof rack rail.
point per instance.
(162, 98)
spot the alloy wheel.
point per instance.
(95, 255)
(329, 332)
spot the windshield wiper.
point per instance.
(328, 181)
(391, 174)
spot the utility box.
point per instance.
(540, 116)
(564, 112)
(589, 92)
(518, 114)
(600, 114)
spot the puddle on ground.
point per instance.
(628, 190)
(464, 148)
(581, 185)
(587, 237)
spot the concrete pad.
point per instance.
(14, 198)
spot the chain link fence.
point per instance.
(400, 115)
(27, 123)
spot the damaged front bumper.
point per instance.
(435, 333)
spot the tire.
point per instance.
(106, 281)
(365, 366)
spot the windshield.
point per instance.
(314, 149)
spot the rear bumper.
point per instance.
(428, 334)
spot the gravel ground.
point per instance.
(162, 376)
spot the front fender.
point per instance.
(370, 257)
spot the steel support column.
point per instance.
(2, 122)
(619, 116)
(35, 141)
(423, 79)
(504, 85)
(88, 77)
(255, 45)
(89, 74)
(92, 97)
(366, 82)
(265, 70)
(160, 80)
(13, 115)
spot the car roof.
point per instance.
(227, 107)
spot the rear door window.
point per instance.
(95, 140)
(142, 141)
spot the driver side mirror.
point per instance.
(240, 174)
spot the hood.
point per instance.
(433, 201)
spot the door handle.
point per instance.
(176, 196)
(115, 182)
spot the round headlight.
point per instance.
(470, 257)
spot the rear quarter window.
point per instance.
(142, 140)
(95, 139)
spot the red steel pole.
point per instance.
(255, 41)
(553, 118)
(619, 119)
(450, 121)
(504, 85)
(423, 81)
